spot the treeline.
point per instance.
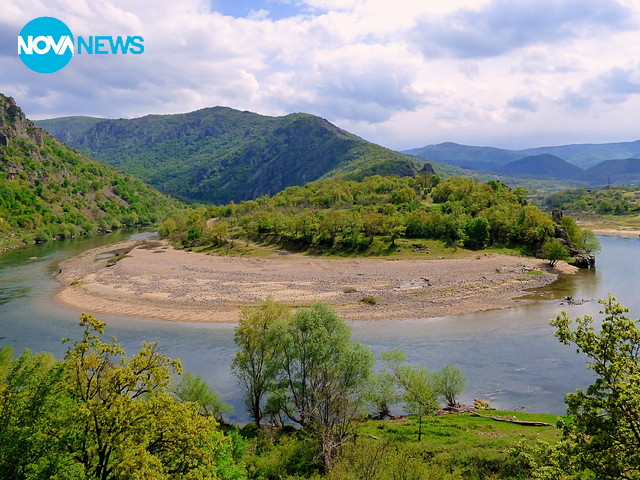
(614, 200)
(348, 216)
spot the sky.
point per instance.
(401, 73)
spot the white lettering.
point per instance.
(42, 45)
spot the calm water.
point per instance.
(509, 356)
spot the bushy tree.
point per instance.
(603, 436)
(449, 383)
(322, 374)
(100, 415)
(256, 362)
(477, 231)
(554, 251)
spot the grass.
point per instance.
(534, 272)
(369, 300)
(479, 445)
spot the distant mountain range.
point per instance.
(596, 164)
(220, 154)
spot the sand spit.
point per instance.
(151, 279)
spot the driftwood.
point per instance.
(525, 423)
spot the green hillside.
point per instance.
(220, 154)
(48, 190)
(543, 165)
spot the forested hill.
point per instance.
(220, 154)
(49, 190)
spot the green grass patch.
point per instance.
(534, 272)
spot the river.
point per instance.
(509, 357)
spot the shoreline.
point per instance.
(151, 279)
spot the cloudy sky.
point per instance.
(402, 73)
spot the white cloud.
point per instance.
(402, 73)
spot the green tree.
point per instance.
(603, 436)
(256, 362)
(323, 375)
(449, 383)
(192, 388)
(554, 251)
(123, 423)
(417, 386)
(477, 231)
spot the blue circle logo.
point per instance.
(45, 45)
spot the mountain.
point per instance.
(616, 172)
(49, 190)
(466, 156)
(67, 128)
(589, 154)
(542, 165)
(485, 158)
(220, 154)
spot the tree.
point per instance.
(477, 233)
(123, 423)
(193, 389)
(322, 375)
(256, 361)
(30, 405)
(100, 415)
(604, 434)
(417, 386)
(449, 383)
(554, 251)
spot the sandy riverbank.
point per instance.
(154, 280)
(616, 232)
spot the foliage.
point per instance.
(614, 200)
(48, 190)
(604, 434)
(449, 383)
(192, 388)
(322, 374)
(218, 154)
(305, 368)
(554, 251)
(100, 415)
(255, 363)
(348, 217)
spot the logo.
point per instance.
(46, 45)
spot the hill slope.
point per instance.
(543, 165)
(48, 190)
(220, 154)
(619, 172)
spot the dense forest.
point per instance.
(370, 216)
(320, 410)
(48, 190)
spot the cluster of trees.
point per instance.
(303, 368)
(348, 216)
(614, 200)
(98, 414)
